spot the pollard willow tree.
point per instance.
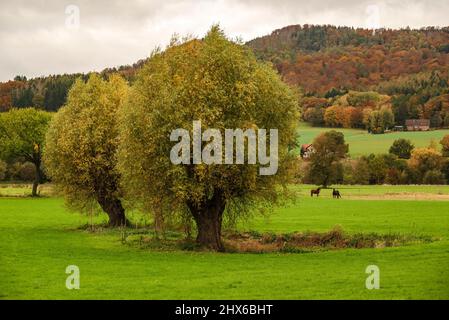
(81, 144)
(220, 83)
(22, 136)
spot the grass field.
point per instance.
(361, 142)
(39, 238)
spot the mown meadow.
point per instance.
(39, 238)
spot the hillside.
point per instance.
(319, 58)
(409, 67)
(49, 92)
(354, 78)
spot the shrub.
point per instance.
(27, 171)
(434, 177)
(393, 176)
(23, 171)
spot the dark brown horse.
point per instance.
(336, 194)
(315, 191)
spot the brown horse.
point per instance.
(315, 191)
(336, 194)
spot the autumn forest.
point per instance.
(345, 77)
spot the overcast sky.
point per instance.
(41, 37)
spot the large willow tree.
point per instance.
(81, 145)
(219, 83)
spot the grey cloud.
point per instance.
(35, 41)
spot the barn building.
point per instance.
(417, 124)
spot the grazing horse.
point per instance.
(336, 194)
(315, 191)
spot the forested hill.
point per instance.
(49, 92)
(319, 58)
(323, 61)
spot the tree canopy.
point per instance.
(325, 161)
(425, 160)
(219, 83)
(445, 145)
(402, 148)
(80, 153)
(22, 136)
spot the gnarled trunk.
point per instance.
(208, 217)
(114, 209)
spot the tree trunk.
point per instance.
(208, 218)
(34, 190)
(114, 209)
(37, 179)
(159, 223)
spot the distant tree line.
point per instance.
(404, 164)
(423, 96)
(50, 93)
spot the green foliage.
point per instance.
(419, 96)
(22, 137)
(377, 168)
(333, 93)
(325, 162)
(3, 169)
(434, 177)
(55, 92)
(23, 171)
(402, 148)
(424, 160)
(356, 172)
(22, 133)
(363, 99)
(444, 48)
(22, 97)
(445, 146)
(50, 93)
(384, 168)
(220, 83)
(381, 120)
(314, 116)
(80, 154)
(445, 169)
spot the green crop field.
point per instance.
(39, 238)
(362, 143)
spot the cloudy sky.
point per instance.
(41, 37)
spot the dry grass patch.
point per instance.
(301, 242)
(402, 196)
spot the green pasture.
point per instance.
(39, 238)
(362, 143)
